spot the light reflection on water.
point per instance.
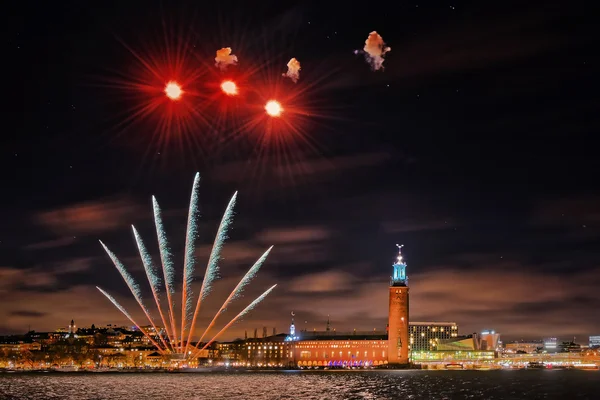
(305, 385)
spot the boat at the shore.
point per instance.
(483, 367)
(453, 366)
(587, 367)
(68, 368)
(106, 369)
(536, 365)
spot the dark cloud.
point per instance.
(27, 313)
(90, 217)
(51, 244)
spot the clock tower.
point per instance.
(398, 314)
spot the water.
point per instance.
(305, 385)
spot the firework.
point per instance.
(273, 108)
(229, 88)
(167, 264)
(188, 264)
(152, 275)
(212, 269)
(173, 91)
(172, 343)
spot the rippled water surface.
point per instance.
(306, 385)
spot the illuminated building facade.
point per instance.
(341, 350)
(271, 351)
(461, 343)
(426, 336)
(551, 345)
(594, 342)
(524, 347)
(398, 342)
(489, 340)
(452, 356)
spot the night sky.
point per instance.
(476, 147)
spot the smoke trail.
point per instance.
(151, 270)
(293, 71)
(212, 268)
(213, 261)
(131, 283)
(375, 50)
(122, 309)
(246, 310)
(224, 58)
(167, 263)
(188, 271)
(153, 279)
(237, 291)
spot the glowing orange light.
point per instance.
(173, 91)
(229, 88)
(273, 108)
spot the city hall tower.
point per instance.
(398, 314)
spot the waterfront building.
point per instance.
(524, 347)
(270, 351)
(448, 356)
(426, 336)
(595, 342)
(569, 347)
(551, 345)
(341, 350)
(489, 340)
(460, 343)
(18, 344)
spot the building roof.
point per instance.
(333, 335)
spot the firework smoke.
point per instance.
(374, 50)
(224, 58)
(293, 71)
(237, 291)
(246, 310)
(188, 268)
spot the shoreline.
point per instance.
(250, 370)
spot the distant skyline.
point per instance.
(475, 146)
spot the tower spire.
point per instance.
(292, 326)
(328, 328)
(399, 277)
